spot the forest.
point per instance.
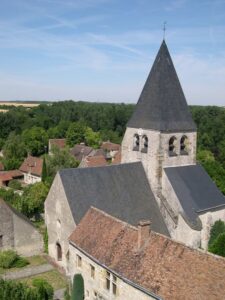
(24, 131)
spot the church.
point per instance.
(158, 180)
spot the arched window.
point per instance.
(184, 145)
(59, 251)
(172, 146)
(136, 142)
(144, 147)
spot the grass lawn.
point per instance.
(56, 279)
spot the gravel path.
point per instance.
(27, 272)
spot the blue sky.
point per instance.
(102, 50)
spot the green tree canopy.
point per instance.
(75, 133)
(36, 140)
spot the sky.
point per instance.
(103, 50)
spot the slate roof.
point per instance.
(32, 165)
(165, 267)
(195, 190)
(162, 105)
(120, 190)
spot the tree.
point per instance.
(32, 203)
(44, 174)
(92, 138)
(60, 159)
(78, 287)
(14, 151)
(75, 133)
(36, 140)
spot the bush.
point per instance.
(15, 184)
(216, 230)
(218, 247)
(7, 259)
(45, 290)
(10, 259)
(11, 290)
(20, 262)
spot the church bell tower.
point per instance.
(161, 132)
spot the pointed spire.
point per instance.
(162, 105)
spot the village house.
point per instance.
(93, 161)
(7, 176)
(120, 261)
(32, 169)
(158, 178)
(15, 229)
(111, 149)
(60, 143)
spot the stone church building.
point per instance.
(158, 179)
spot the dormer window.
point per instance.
(172, 146)
(136, 144)
(144, 148)
(184, 145)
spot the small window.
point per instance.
(136, 144)
(172, 146)
(183, 145)
(59, 252)
(144, 148)
(107, 280)
(1, 241)
(79, 261)
(92, 272)
(114, 282)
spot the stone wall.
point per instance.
(18, 233)
(27, 240)
(59, 221)
(31, 179)
(95, 286)
(6, 227)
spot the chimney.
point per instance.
(144, 230)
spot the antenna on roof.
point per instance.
(164, 30)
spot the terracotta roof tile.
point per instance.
(110, 146)
(95, 161)
(61, 143)
(80, 151)
(32, 165)
(162, 266)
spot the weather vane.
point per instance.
(164, 30)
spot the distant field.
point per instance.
(3, 110)
(25, 104)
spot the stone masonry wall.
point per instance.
(95, 288)
(59, 221)
(6, 227)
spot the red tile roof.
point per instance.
(95, 161)
(80, 151)
(5, 177)
(9, 175)
(108, 146)
(162, 266)
(32, 165)
(61, 143)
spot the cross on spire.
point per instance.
(164, 30)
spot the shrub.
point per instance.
(15, 184)
(45, 290)
(218, 246)
(7, 259)
(20, 262)
(216, 230)
(10, 259)
(78, 287)
(11, 290)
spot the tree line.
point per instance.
(24, 131)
